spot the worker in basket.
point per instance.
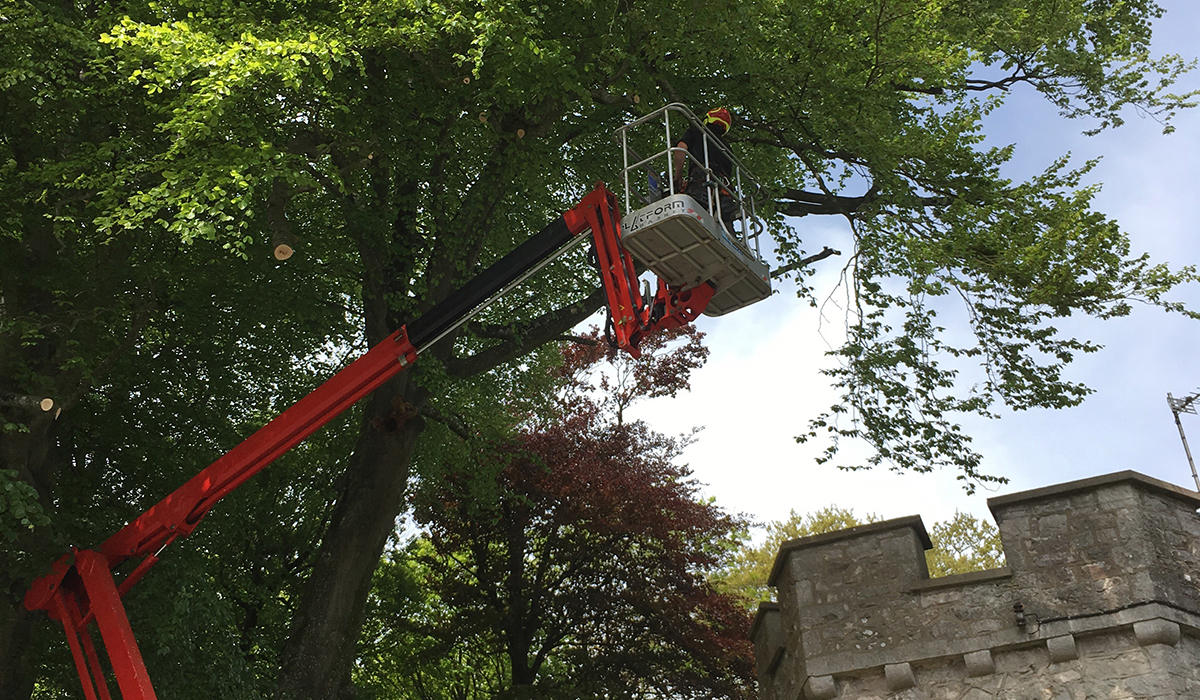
(700, 181)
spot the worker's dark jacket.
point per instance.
(718, 162)
(699, 184)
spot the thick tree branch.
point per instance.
(495, 331)
(651, 68)
(309, 144)
(465, 233)
(528, 336)
(782, 138)
(26, 403)
(283, 242)
(323, 180)
(802, 203)
(605, 97)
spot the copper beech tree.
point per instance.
(587, 572)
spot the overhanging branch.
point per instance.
(452, 423)
(802, 203)
(526, 337)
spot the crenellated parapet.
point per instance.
(1101, 598)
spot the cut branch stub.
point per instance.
(283, 251)
(28, 403)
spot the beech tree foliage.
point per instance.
(153, 154)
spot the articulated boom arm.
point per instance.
(632, 317)
(80, 587)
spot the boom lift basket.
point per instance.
(683, 242)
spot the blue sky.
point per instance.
(762, 384)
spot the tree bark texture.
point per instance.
(28, 452)
(16, 664)
(321, 644)
(321, 648)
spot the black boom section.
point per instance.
(450, 312)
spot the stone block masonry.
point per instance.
(1100, 599)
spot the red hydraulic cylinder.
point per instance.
(599, 212)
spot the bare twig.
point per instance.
(578, 340)
(825, 253)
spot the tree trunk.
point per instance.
(26, 453)
(16, 662)
(321, 646)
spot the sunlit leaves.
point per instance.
(1015, 260)
(964, 544)
(407, 143)
(881, 106)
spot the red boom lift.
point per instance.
(81, 589)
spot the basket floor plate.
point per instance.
(681, 243)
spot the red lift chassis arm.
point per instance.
(81, 589)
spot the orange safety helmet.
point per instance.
(719, 115)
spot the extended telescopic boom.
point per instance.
(80, 587)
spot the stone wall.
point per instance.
(1100, 599)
